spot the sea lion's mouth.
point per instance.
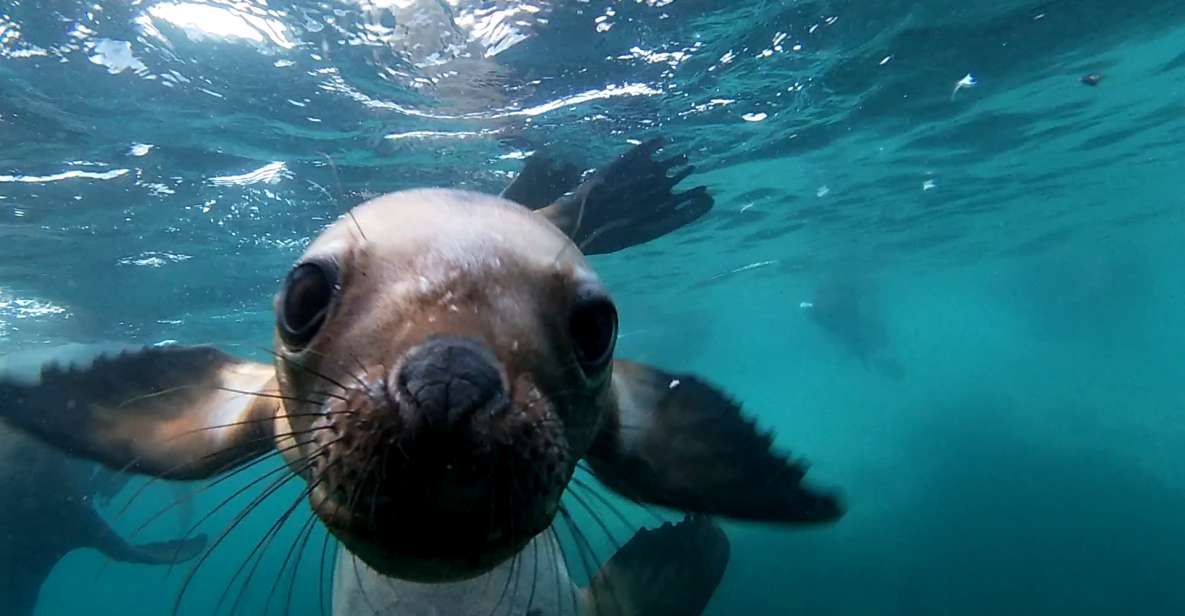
(436, 471)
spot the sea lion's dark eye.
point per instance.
(593, 329)
(307, 294)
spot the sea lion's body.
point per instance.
(46, 514)
(537, 581)
(39, 486)
(443, 360)
(671, 570)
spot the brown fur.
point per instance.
(505, 282)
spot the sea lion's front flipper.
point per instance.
(99, 535)
(629, 202)
(675, 441)
(171, 411)
(672, 570)
(542, 180)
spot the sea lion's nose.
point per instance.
(449, 379)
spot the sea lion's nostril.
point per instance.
(448, 379)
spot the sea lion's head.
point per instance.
(445, 356)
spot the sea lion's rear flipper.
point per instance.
(672, 570)
(99, 535)
(675, 441)
(629, 202)
(171, 411)
(542, 180)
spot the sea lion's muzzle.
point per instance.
(440, 466)
(447, 380)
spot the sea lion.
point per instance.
(443, 360)
(48, 513)
(845, 306)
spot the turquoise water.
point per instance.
(1003, 410)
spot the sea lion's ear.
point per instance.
(177, 412)
(675, 441)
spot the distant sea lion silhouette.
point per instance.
(443, 361)
(845, 306)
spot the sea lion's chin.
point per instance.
(432, 556)
(429, 540)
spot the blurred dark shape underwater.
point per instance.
(48, 512)
(846, 305)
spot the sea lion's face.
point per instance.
(441, 378)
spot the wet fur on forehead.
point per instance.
(429, 261)
(450, 228)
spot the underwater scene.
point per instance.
(598, 307)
